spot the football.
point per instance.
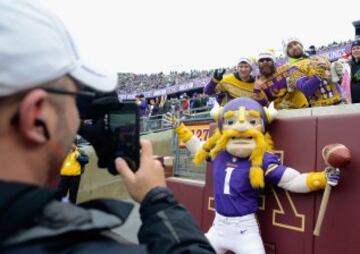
(336, 155)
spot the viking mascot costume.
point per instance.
(242, 160)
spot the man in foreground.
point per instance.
(39, 76)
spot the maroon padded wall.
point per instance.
(190, 194)
(340, 232)
(287, 215)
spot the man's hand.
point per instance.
(258, 84)
(218, 74)
(332, 176)
(149, 175)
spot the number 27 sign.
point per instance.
(201, 131)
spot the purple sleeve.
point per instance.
(209, 89)
(276, 171)
(143, 105)
(308, 85)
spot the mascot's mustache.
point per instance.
(253, 133)
(228, 134)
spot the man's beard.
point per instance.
(297, 54)
(267, 70)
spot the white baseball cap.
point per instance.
(36, 48)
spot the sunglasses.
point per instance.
(81, 94)
(265, 60)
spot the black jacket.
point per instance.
(33, 221)
(355, 81)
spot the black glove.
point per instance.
(218, 74)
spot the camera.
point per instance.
(124, 126)
(112, 128)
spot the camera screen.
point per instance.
(122, 125)
(124, 120)
(125, 135)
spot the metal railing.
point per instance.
(156, 124)
(153, 124)
(183, 165)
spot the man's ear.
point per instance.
(30, 111)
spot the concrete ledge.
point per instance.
(320, 111)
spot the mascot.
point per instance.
(242, 159)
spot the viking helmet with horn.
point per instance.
(268, 114)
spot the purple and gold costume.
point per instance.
(233, 193)
(230, 87)
(276, 89)
(310, 77)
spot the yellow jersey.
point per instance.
(71, 167)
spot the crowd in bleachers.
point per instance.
(334, 44)
(130, 82)
(158, 94)
(138, 83)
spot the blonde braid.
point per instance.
(256, 173)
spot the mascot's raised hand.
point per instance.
(171, 119)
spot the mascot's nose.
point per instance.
(241, 126)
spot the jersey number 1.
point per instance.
(227, 180)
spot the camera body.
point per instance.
(113, 129)
(124, 126)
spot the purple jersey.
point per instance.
(233, 193)
(143, 108)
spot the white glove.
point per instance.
(339, 68)
(290, 88)
(336, 71)
(171, 119)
